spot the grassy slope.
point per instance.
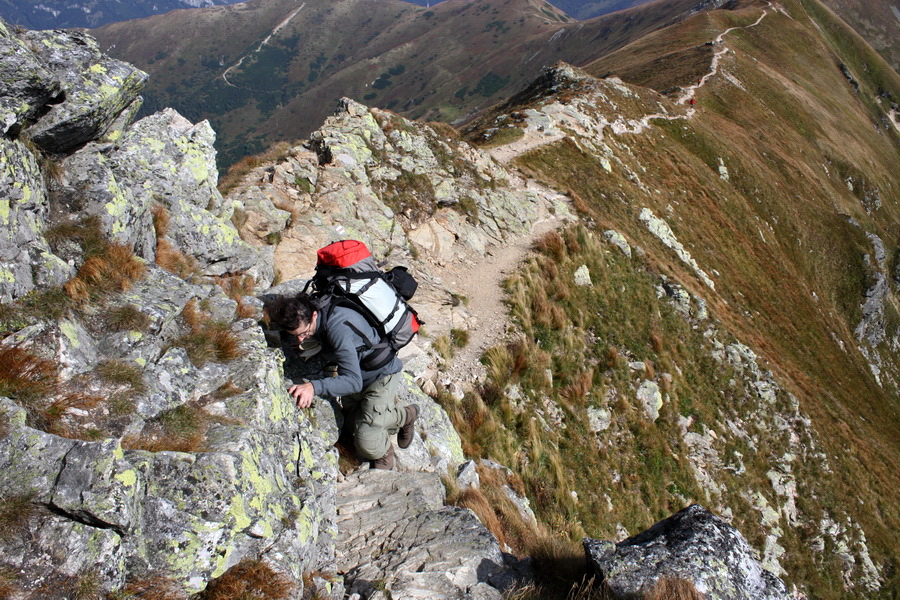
(790, 281)
(442, 63)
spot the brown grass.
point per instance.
(120, 372)
(207, 339)
(153, 587)
(161, 220)
(127, 318)
(15, 512)
(175, 261)
(239, 170)
(237, 286)
(113, 270)
(672, 588)
(26, 377)
(181, 429)
(249, 580)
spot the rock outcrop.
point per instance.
(692, 545)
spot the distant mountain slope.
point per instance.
(60, 14)
(877, 21)
(268, 71)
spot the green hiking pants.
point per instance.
(375, 416)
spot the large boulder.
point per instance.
(27, 88)
(692, 545)
(165, 159)
(97, 89)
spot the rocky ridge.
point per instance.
(265, 483)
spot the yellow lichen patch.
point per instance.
(98, 68)
(239, 513)
(128, 478)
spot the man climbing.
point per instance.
(367, 390)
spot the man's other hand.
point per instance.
(303, 394)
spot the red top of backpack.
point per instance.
(342, 254)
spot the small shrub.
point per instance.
(249, 580)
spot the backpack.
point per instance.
(347, 275)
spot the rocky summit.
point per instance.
(660, 348)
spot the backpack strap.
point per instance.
(377, 355)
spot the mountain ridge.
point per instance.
(443, 63)
(716, 322)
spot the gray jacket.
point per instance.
(342, 333)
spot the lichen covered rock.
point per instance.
(693, 545)
(25, 258)
(26, 86)
(97, 89)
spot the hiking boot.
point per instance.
(386, 462)
(408, 431)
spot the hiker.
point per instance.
(367, 394)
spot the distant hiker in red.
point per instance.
(693, 102)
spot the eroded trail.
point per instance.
(263, 43)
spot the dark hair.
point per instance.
(286, 312)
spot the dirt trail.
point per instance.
(482, 285)
(274, 31)
(481, 282)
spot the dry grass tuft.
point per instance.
(236, 287)
(26, 377)
(154, 587)
(113, 270)
(127, 318)
(239, 170)
(208, 339)
(120, 372)
(175, 261)
(161, 220)
(672, 588)
(249, 580)
(473, 499)
(552, 245)
(181, 429)
(15, 512)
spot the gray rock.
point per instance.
(582, 276)
(90, 186)
(650, 398)
(433, 551)
(618, 240)
(165, 159)
(693, 545)
(97, 89)
(467, 475)
(25, 258)
(27, 88)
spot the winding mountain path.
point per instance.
(265, 42)
(537, 137)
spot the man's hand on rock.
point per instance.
(303, 394)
